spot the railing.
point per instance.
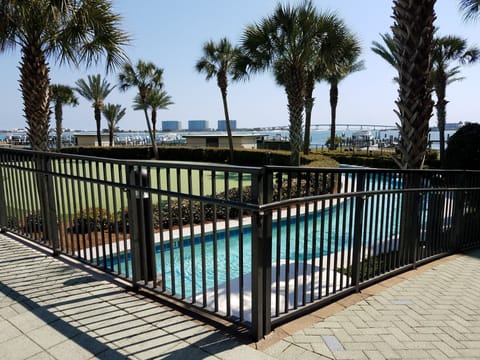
(253, 245)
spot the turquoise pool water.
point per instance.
(324, 234)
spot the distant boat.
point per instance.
(363, 138)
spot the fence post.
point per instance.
(46, 194)
(262, 256)
(140, 214)
(410, 220)
(51, 211)
(3, 210)
(458, 224)
(358, 231)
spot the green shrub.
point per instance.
(114, 152)
(244, 157)
(33, 223)
(91, 220)
(463, 150)
(378, 159)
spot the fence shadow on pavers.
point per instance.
(104, 319)
(203, 345)
(88, 342)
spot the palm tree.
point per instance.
(285, 42)
(146, 77)
(95, 89)
(447, 49)
(218, 61)
(113, 113)
(61, 95)
(412, 46)
(156, 100)
(412, 35)
(471, 8)
(331, 45)
(68, 31)
(346, 63)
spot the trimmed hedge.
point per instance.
(114, 152)
(378, 160)
(246, 157)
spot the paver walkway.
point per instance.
(430, 313)
(52, 310)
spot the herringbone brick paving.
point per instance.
(433, 315)
(51, 310)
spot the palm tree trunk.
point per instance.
(150, 132)
(441, 106)
(227, 123)
(110, 137)
(412, 34)
(98, 118)
(309, 102)
(35, 83)
(58, 123)
(296, 101)
(35, 86)
(333, 112)
(154, 124)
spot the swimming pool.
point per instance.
(201, 264)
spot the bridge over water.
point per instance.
(344, 126)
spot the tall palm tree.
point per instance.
(286, 43)
(156, 100)
(146, 77)
(412, 35)
(331, 45)
(61, 95)
(95, 89)
(471, 9)
(113, 113)
(218, 61)
(346, 63)
(447, 49)
(69, 31)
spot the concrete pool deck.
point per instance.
(55, 308)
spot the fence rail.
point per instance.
(253, 245)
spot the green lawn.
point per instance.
(74, 190)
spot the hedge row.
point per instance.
(380, 160)
(181, 212)
(246, 157)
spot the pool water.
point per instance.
(325, 233)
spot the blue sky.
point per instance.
(171, 34)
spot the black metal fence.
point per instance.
(253, 245)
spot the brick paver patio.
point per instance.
(52, 310)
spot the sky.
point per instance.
(171, 35)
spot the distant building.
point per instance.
(245, 141)
(90, 139)
(222, 125)
(198, 125)
(171, 125)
